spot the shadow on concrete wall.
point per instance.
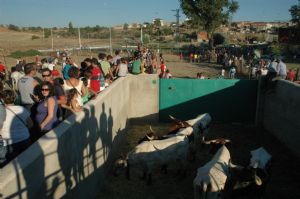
(85, 153)
(232, 104)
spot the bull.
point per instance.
(149, 155)
(200, 125)
(211, 178)
(219, 178)
(250, 181)
(151, 135)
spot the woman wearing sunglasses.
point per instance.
(46, 116)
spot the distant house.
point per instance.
(134, 25)
(145, 24)
(202, 37)
(159, 21)
(249, 26)
(118, 27)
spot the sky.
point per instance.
(58, 13)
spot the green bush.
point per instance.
(13, 27)
(34, 37)
(28, 53)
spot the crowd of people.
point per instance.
(45, 92)
(238, 61)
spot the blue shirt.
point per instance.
(66, 71)
(281, 69)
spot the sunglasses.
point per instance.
(45, 89)
(46, 75)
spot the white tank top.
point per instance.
(78, 88)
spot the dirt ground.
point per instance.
(183, 69)
(284, 181)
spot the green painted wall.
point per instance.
(225, 100)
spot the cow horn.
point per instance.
(226, 140)
(231, 165)
(208, 142)
(257, 180)
(149, 138)
(151, 129)
(173, 118)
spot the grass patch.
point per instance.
(292, 65)
(28, 53)
(34, 37)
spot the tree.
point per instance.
(295, 13)
(47, 32)
(157, 22)
(209, 14)
(218, 39)
(125, 26)
(13, 27)
(71, 28)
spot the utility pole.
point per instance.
(110, 45)
(142, 34)
(52, 39)
(79, 39)
(177, 15)
(43, 34)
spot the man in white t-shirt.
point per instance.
(14, 131)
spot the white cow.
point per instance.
(211, 177)
(151, 154)
(200, 125)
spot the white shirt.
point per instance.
(14, 130)
(2, 115)
(45, 65)
(67, 88)
(264, 71)
(51, 66)
(16, 76)
(223, 72)
(123, 70)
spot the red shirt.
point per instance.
(55, 73)
(95, 80)
(162, 67)
(291, 75)
(2, 68)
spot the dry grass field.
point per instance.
(284, 181)
(11, 41)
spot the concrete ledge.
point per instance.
(281, 115)
(72, 160)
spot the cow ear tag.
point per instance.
(258, 180)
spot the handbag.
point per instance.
(3, 151)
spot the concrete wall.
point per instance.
(186, 98)
(281, 115)
(72, 160)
